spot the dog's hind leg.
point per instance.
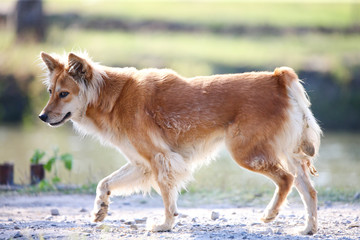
(308, 195)
(258, 157)
(284, 182)
(128, 179)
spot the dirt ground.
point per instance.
(67, 217)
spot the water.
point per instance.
(338, 164)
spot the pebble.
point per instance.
(83, 210)
(183, 215)
(141, 221)
(18, 235)
(55, 212)
(10, 219)
(215, 215)
(195, 219)
(354, 225)
(346, 222)
(223, 219)
(328, 204)
(269, 231)
(134, 227)
(255, 224)
(16, 227)
(357, 196)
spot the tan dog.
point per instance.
(167, 125)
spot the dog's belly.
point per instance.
(201, 150)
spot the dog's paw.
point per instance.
(309, 230)
(99, 215)
(269, 216)
(162, 228)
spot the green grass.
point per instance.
(220, 13)
(188, 53)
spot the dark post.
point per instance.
(29, 20)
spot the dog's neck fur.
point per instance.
(97, 114)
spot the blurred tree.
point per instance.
(29, 20)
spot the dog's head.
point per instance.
(72, 85)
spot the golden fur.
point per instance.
(167, 125)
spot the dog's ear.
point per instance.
(50, 62)
(79, 69)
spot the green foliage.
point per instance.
(66, 159)
(45, 186)
(38, 155)
(49, 164)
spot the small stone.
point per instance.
(129, 223)
(134, 227)
(354, 225)
(55, 212)
(141, 221)
(357, 196)
(183, 215)
(328, 204)
(195, 219)
(83, 210)
(269, 231)
(18, 235)
(215, 215)
(16, 227)
(10, 219)
(255, 224)
(346, 222)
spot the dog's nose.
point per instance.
(43, 117)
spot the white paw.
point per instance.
(308, 230)
(269, 216)
(162, 228)
(99, 214)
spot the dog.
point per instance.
(167, 126)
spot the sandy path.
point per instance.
(29, 217)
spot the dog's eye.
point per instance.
(63, 94)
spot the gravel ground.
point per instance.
(67, 217)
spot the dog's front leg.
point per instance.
(124, 181)
(171, 171)
(169, 195)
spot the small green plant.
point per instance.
(38, 155)
(66, 158)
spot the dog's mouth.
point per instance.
(67, 116)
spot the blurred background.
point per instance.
(319, 39)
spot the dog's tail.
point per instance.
(311, 132)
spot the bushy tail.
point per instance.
(311, 133)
